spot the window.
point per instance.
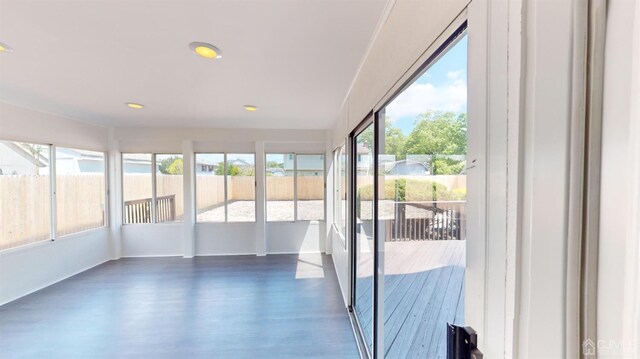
(80, 190)
(279, 187)
(210, 187)
(294, 187)
(25, 208)
(169, 192)
(340, 203)
(144, 202)
(310, 187)
(422, 202)
(137, 187)
(241, 188)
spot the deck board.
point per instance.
(423, 290)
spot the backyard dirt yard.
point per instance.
(244, 211)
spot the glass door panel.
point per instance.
(364, 245)
(421, 207)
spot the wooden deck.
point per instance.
(424, 289)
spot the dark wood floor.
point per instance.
(280, 306)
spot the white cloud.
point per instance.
(419, 98)
(454, 75)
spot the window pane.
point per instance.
(279, 190)
(169, 192)
(342, 191)
(210, 187)
(421, 204)
(310, 187)
(241, 188)
(364, 236)
(136, 187)
(80, 193)
(25, 215)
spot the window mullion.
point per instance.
(295, 187)
(226, 190)
(53, 215)
(153, 188)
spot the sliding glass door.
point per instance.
(409, 239)
(363, 246)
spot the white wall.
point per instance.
(28, 268)
(618, 281)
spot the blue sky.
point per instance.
(443, 87)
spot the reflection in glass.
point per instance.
(364, 246)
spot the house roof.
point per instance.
(38, 159)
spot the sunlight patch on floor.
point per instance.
(309, 266)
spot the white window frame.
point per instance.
(154, 219)
(295, 186)
(225, 181)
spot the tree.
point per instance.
(165, 163)
(440, 133)
(437, 132)
(176, 167)
(232, 170)
(394, 140)
(34, 150)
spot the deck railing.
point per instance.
(139, 210)
(434, 220)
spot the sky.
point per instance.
(443, 87)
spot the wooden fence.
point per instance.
(25, 203)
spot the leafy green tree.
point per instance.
(394, 140)
(438, 133)
(165, 163)
(176, 167)
(232, 170)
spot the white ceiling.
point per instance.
(295, 59)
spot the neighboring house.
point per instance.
(308, 165)
(137, 163)
(406, 168)
(16, 160)
(205, 166)
(71, 161)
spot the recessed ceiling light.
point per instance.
(5, 48)
(205, 50)
(251, 108)
(134, 105)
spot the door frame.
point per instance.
(351, 223)
(454, 33)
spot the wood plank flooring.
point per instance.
(423, 290)
(279, 306)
